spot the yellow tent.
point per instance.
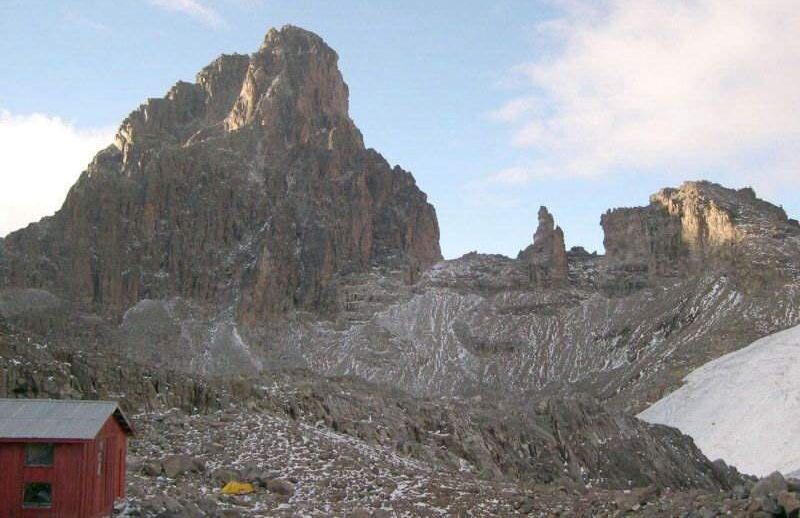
(237, 488)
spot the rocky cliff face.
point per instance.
(250, 188)
(698, 227)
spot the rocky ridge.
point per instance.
(612, 327)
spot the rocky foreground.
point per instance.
(180, 463)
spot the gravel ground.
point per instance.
(179, 464)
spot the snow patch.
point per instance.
(743, 407)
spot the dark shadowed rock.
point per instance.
(770, 485)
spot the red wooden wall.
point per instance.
(78, 490)
(101, 491)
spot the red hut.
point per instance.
(61, 458)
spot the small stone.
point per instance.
(172, 505)
(176, 465)
(281, 487)
(213, 448)
(151, 468)
(208, 505)
(526, 507)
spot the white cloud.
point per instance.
(514, 110)
(640, 85)
(40, 158)
(193, 8)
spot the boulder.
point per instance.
(175, 465)
(281, 487)
(789, 503)
(151, 468)
(764, 504)
(740, 492)
(770, 485)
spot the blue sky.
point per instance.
(495, 107)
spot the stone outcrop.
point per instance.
(546, 258)
(641, 244)
(250, 188)
(697, 227)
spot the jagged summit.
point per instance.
(742, 208)
(294, 78)
(250, 188)
(290, 92)
(290, 34)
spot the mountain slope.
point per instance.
(569, 440)
(700, 272)
(743, 407)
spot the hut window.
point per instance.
(38, 494)
(39, 454)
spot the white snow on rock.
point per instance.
(743, 407)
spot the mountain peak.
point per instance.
(741, 208)
(250, 187)
(294, 88)
(291, 36)
(697, 226)
(290, 90)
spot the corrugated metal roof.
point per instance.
(56, 419)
